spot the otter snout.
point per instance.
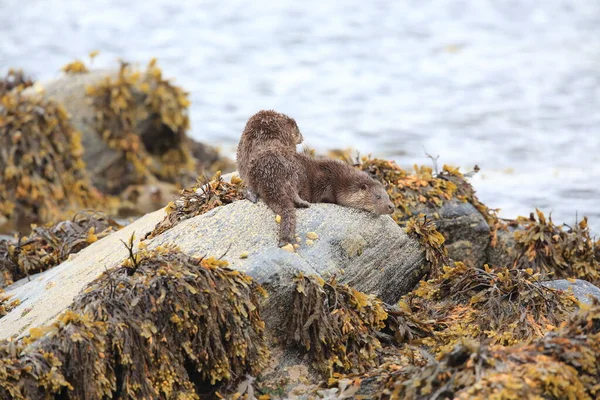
(390, 208)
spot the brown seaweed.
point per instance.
(336, 324)
(48, 246)
(199, 199)
(43, 174)
(163, 325)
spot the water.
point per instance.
(511, 87)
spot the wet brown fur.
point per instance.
(290, 180)
(266, 131)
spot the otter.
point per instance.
(266, 132)
(333, 181)
(289, 180)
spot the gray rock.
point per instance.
(581, 289)
(466, 231)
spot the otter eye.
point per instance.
(378, 197)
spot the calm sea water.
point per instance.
(511, 86)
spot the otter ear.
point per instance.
(363, 186)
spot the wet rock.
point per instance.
(581, 289)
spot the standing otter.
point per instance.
(265, 131)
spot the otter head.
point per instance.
(367, 194)
(378, 201)
(268, 126)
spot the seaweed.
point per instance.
(425, 191)
(43, 174)
(15, 80)
(555, 251)
(175, 327)
(501, 305)
(426, 233)
(200, 199)
(48, 246)
(336, 324)
(559, 365)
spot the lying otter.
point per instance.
(288, 181)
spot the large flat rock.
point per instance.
(370, 252)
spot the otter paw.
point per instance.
(253, 197)
(284, 242)
(301, 204)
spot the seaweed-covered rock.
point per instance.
(583, 290)
(133, 126)
(466, 232)
(468, 226)
(48, 246)
(369, 252)
(42, 173)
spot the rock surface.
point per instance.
(581, 289)
(369, 252)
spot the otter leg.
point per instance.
(299, 203)
(284, 207)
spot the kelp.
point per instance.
(431, 240)
(336, 324)
(43, 174)
(555, 251)
(163, 325)
(145, 118)
(563, 364)
(501, 305)
(199, 199)
(48, 246)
